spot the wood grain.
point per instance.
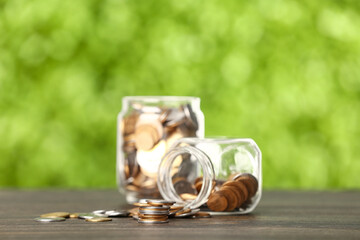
(280, 215)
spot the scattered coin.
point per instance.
(74, 215)
(183, 211)
(192, 212)
(50, 219)
(87, 215)
(99, 212)
(98, 219)
(115, 213)
(55, 215)
(202, 215)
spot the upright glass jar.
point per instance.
(221, 174)
(147, 127)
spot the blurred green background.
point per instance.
(285, 73)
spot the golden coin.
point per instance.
(146, 137)
(159, 202)
(176, 207)
(74, 215)
(183, 211)
(98, 219)
(134, 210)
(55, 215)
(188, 196)
(142, 204)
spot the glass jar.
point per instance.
(147, 127)
(221, 174)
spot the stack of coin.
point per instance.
(234, 193)
(154, 214)
(148, 132)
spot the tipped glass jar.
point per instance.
(147, 127)
(223, 175)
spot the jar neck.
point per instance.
(165, 183)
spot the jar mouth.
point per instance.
(166, 186)
(155, 99)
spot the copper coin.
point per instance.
(202, 215)
(231, 199)
(198, 179)
(239, 199)
(217, 202)
(250, 182)
(198, 186)
(240, 187)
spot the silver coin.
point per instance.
(89, 215)
(155, 208)
(148, 221)
(136, 217)
(115, 213)
(57, 219)
(193, 212)
(160, 201)
(143, 200)
(174, 118)
(154, 212)
(101, 215)
(99, 212)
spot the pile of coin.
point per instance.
(154, 211)
(94, 216)
(148, 132)
(233, 194)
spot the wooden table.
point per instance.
(280, 215)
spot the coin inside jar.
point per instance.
(239, 199)
(250, 182)
(240, 187)
(217, 202)
(192, 212)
